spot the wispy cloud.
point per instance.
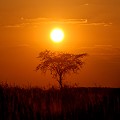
(54, 20)
(102, 50)
(38, 21)
(104, 53)
(18, 25)
(15, 46)
(86, 4)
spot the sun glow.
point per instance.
(57, 35)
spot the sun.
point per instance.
(57, 35)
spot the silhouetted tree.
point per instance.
(59, 64)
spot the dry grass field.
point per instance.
(68, 104)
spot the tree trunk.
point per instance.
(60, 81)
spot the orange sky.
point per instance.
(91, 26)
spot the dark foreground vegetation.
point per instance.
(68, 104)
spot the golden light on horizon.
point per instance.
(57, 35)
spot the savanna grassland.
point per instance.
(67, 104)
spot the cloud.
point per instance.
(102, 53)
(13, 26)
(14, 46)
(54, 20)
(101, 50)
(86, 4)
(23, 45)
(38, 21)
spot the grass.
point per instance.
(68, 104)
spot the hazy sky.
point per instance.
(91, 26)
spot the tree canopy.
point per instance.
(59, 64)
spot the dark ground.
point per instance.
(68, 104)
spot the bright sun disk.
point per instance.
(57, 35)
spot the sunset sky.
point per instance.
(91, 26)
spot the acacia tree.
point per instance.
(59, 64)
